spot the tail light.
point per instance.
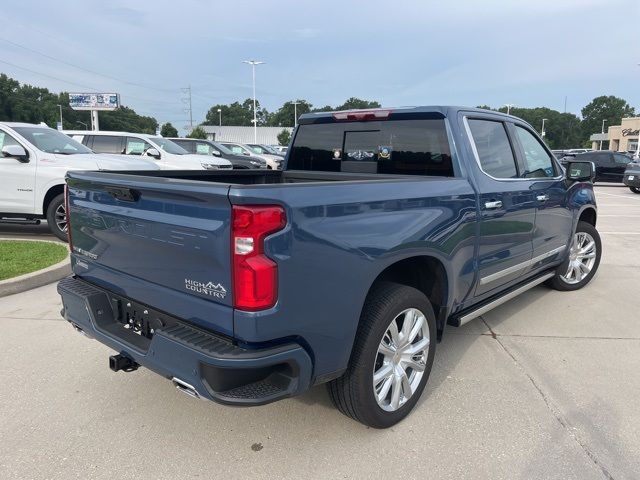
(255, 276)
(67, 213)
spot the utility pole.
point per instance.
(295, 113)
(565, 104)
(187, 101)
(253, 64)
(60, 107)
(602, 131)
(220, 115)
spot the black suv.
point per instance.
(207, 147)
(610, 165)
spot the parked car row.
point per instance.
(167, 154)
(610, 166)
(274, 160)
(34, 160)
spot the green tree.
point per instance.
(198, 132)
(125, 119)
(168, 130)
(609, 108)
(284, 116)
(284, 137)
(357, 103)
(236, 114)
(562, 130)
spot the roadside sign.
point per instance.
(94, 101)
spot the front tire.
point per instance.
(57, 217)
(391, 359)
(635, 189)
(584, 259)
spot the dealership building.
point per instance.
(624, 137)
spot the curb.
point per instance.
(35, 279)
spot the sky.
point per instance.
(420, 52)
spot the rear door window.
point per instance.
(136, 146)
(493, 147)
(401, 147)
(203, 148)
(107, 144)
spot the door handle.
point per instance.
(542, 198)
(493, 204)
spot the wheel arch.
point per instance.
(589, 215)
(53, 192)
(425, 273)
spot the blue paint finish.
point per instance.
(340, 236)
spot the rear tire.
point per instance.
(400, 359)
(57, 217)
(583, 261)
(635, 189)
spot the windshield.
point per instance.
(258, 148)
(238, 149)
(51, 141)
(168, 146)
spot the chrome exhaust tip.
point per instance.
(185, 388)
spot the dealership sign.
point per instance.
(94, 101)
(628, 132)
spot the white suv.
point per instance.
(34, 160)
(168, 155)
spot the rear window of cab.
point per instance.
(401, 147)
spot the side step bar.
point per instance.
(458, 321)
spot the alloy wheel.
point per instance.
(401, 359)
(582, 257)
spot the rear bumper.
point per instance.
(216, 368)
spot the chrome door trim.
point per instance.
(508, 271)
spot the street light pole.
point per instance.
(509, 105)
(220, 115)
(295, 114)
(543, 133)
(603, 121)
(253, 64)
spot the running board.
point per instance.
(458, 321)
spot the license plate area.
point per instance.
(136, 323)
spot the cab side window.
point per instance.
(107, 144)
(493, 147)
(537, 162)
(5, 141)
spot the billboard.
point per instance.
(94, 101)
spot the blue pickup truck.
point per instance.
(385, 225)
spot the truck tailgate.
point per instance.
(159, 241)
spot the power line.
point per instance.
(81, 85)
(86, 69)
(48, 76)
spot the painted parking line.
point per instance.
(620, 196)
(618, 233)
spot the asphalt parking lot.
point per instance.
(545, 386)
